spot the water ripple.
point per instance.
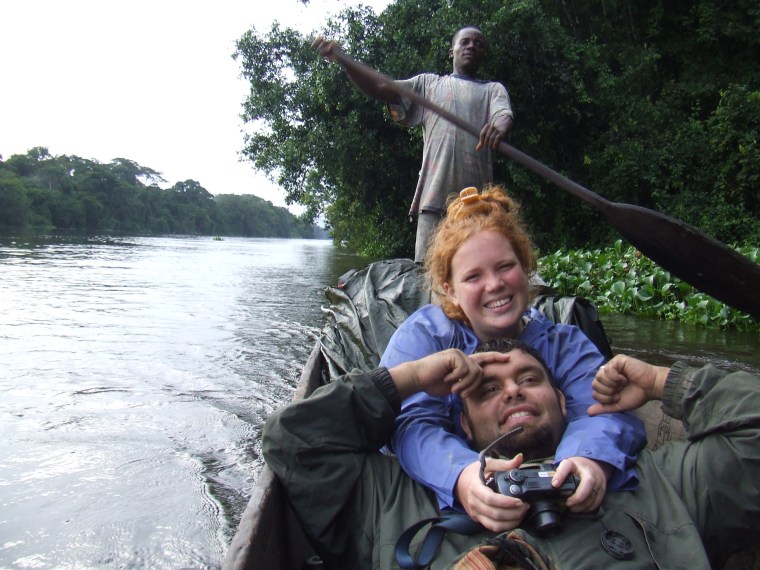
(135, 378)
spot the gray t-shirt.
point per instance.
(450, 162)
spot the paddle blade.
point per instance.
(691, 255)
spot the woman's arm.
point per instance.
(614, 439)
(428, 440)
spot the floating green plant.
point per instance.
(620, 279)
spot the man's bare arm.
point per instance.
(372, 89)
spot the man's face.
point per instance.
(516, 393)
(468, 50)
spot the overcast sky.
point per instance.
(151, 81)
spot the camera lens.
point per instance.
(545, 516)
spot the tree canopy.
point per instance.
(72, 193)
(650, 103)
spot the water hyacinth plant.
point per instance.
(619, 279)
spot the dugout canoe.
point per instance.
(364, 310)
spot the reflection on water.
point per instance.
(135, 374)
(663, 342)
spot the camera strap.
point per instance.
(451, 521)
(455, 522)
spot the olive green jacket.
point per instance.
(698, 502)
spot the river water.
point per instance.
(135, 374)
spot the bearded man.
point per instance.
(354, 503)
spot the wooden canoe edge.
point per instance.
(268, 535)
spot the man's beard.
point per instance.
(534, 444)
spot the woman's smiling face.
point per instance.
(489, 284)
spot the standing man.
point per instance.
(452, 159)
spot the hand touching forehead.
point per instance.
(512, 369)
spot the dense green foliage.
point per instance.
(68, 192)
(651, 103)
(621, 280)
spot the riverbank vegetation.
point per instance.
(649, 103)
(41, 191)
(619, 279)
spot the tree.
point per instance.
(648, 103)
(325, 141)
(338, 153)
(68, 192)
(14, 203)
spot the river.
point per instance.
(136, 373)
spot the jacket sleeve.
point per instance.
(615, 439)
(717, 472)
(319, 461)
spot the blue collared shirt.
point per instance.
(429, 441)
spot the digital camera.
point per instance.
(533, 485)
